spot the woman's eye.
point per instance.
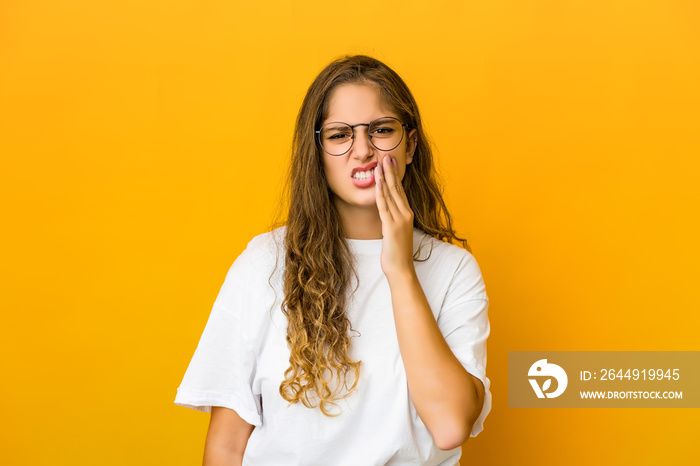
(384, 130)
(339, 136)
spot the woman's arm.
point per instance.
(227, 438)
(447, 398)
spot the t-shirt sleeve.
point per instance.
(464, 322)
(222, 369)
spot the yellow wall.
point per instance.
(143, 143)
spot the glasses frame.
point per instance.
(404, 126)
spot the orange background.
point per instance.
(143, 143)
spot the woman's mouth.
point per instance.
(363, 179)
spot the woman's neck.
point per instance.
(360, 222)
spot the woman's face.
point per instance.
(353, 104)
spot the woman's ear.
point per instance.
(412, 144)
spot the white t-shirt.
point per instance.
(242, 355)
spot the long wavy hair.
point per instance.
(318, 262)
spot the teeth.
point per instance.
(363, 175)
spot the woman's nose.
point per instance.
(362, 145)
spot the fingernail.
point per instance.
(393, 161)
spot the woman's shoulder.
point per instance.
(256, 264)
(254, 279)
(263, 247)
(267, 244)
(452, 265)
(433, 249)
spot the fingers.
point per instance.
(388, 193)
(382, 195)
(393, 190)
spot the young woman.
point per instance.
(354, 334)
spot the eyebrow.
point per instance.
(335, 124)
(367, 122)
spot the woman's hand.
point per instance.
(397, 220)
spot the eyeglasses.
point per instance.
(337, 138)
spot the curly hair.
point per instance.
(318, 262)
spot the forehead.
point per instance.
(356, 103)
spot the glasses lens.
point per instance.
(386, 133)
(336, 138)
